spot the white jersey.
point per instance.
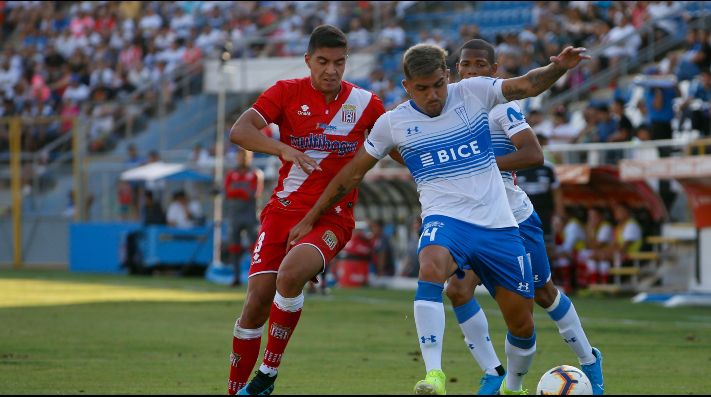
(450, 156)
(505, 121)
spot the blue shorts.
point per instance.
(532, 233)
(496, 255)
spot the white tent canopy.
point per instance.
(159, 170)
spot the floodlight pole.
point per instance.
(219, 160)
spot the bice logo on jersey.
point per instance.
(304, 111)
(450, 154)
(348, 113)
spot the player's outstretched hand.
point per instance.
(570, 57)
(300, 160)
(297, 233)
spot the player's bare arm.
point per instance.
(528, 154)
(346, 180)
(540, 79)
(247, 133)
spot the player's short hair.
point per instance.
(479, 44)
(423, 60)
(326, 36)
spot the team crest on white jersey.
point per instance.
(348, 113)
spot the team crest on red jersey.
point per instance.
(348, 112)
(330, 239)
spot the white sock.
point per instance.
(566, 318)
(475, 328)
(429, 321)
(519, 356)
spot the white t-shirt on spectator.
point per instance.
(150, 22)
(173, 58)
(182, 25)
(164, 39)
(359, 38)
(573, 232)
(604, 233)
(8, 78)
(177, 215)
(395, 34)
(563, 133)
(77, 93)
(631, 231)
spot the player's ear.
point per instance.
(494, 68)
(404, 85)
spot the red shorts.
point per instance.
(329, 235)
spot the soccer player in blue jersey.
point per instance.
(516, 147)
(443, 137)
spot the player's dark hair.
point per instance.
(479, 44)
(326, 36)
(423, 60)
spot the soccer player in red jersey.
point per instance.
(243, 187)
(322, 121)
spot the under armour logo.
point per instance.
(523, 287)
(571, 340)
(431, 339)
(413, 130)
(471, 346)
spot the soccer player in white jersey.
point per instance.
(443, 138)
(516, 147)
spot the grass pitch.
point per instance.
(63, 333)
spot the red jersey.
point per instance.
(329, 133)
(241, 184)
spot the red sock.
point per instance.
(281, 326)
(245, 352)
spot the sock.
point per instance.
(566, 318)
(429, 321)
(245, 350)
(283, 318)
(519, 355)
(475, 328)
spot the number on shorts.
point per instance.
(258, 247)
(429, 233)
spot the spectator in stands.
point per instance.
(77, 91)
(383, 256)
(543, 188)
(561, 131)
(569, 242)
(599, 240)
(659, 94)
(243, 188)
(178, 213)
(606, 125)
(153, 156)
(627, 238)
(133, 159)
(392, 38)
(696, 105)
(153, 213)
(624, 130)
(125, 200)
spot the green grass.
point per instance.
(64, 333)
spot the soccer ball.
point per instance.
(564, 380)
